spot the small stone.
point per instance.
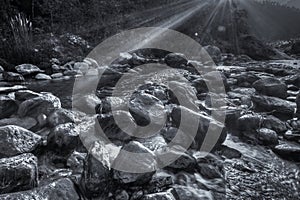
(41, 76)
(57, 75)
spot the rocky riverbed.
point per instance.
(48, 151)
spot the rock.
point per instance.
(146, 109)
(229, 152)
(24, 95)
(298, 105)
(8, 107)
(57, 75)
(13, 77)
(184, 161)
(214, 52)
(44, 104)
(271, 87)
(60, 116)
(96, 179)
(250, 122)
(209, 171)
(288, 151)
(123, 195)
(159, 196)
(1, 69)
(58, 69)
(296, 48)
(112, 130)
(176, 60)
(59, 189)
(18, 173)
(16, 140)
(14, 88)
(245, 79)
(191, 193)
(154, 143)
(41, 76)
(64, 137)
(26, 122)
(72, 72)
(81, 66)
(27, 69)
(86, 104)
(270, 104)
(76, 162)
(42, 120)
(267, 136)
(143, 161)
(161, 180)
(205, 122)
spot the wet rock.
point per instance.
(16, 140)
(112, 130)
(146, 108)
(44, 104)
(13, 77)
(229, 152)
(288, 151)
(176, 60)
(159, 196)
(143, 161)
(18, 173)
(160, 181)
(271, 87)
(61, 116)
(184, 161)
(59, 189)
(64, 137)
(41, 76)
(27, 69)
(214, 52)
(209, 171)
(245, 79)
(72, 72)
(251, 122)
(14, 88)
(270, 104)
(191, 193)
(205, 122)
(26, 122)
(123, 195)
(154, 143)
(96, 179)
(267, 136)
(57, 75)
(8, 107)
(24, 95)
(59, 69)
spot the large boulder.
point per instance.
(60, 189)
(8, 106)
(13, 77)
(146, 109)
(288, 151)
(176, 60)
(18, 173)
(15, 140)
(96, 178)
(274, 104)
(64, 137)
(44, 104)
(214, 52)
(27, 69)
(205, 122)
(144, 160)
(271, 87)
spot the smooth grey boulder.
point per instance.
(44, 104)
(271, 87)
